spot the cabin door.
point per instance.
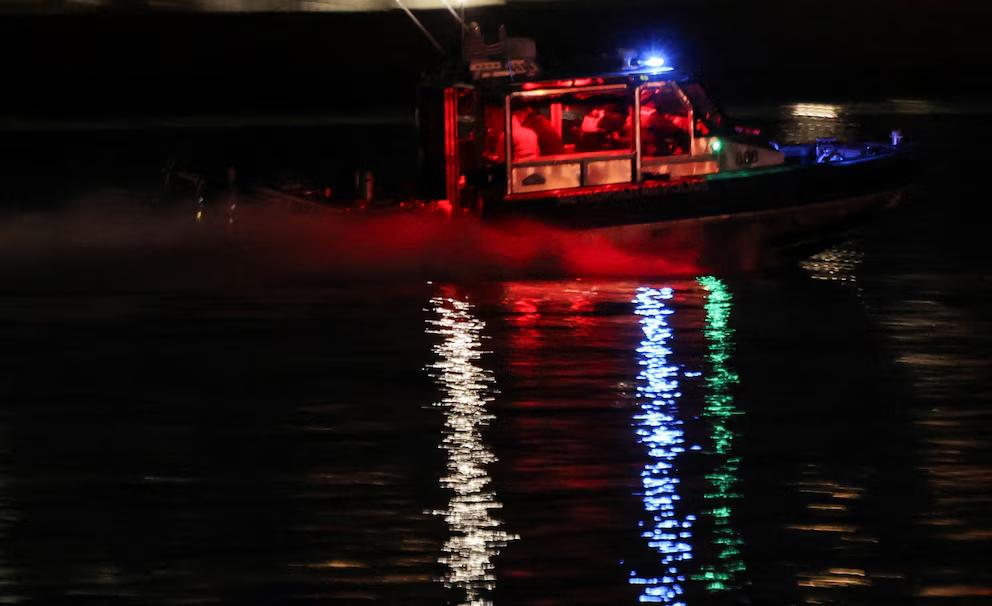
(669, 147)
(462, 145)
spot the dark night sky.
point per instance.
(139, 63)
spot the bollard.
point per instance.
(365, 185)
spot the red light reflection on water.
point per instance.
(544, 318)
(547, 399)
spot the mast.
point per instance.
(420, 26)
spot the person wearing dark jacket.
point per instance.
(548, 138)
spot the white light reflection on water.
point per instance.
(838, 263)
(833, 522)
(660, 431)
(941, 344)
(475, 535)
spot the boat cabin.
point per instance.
(500, 140)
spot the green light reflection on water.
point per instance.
(724, 573)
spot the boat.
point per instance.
(638, 154)
(635, 153)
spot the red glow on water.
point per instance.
(444, 206)
(528, 300)
(429, 246)
(563, 454)
(269, 244)
(525, 307)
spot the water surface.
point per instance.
(819, 434)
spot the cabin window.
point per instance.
(708, 118)
(563, 139)
(665, 121)
(575, 122)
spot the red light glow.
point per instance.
(599, 190)
(576, 82)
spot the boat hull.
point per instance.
(747, 241)
(734, 220)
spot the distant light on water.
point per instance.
(803, 122)
(475, 535)
(816, 110)
(838, 263)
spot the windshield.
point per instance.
(708, 116)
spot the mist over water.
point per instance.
(118, 242)
(125, 236)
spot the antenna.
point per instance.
(454, 14)
(420, 26)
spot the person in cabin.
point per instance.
(548, 139)
(674, 132)
(649, 142)
(612, 123)
(665, 131)
(702, 129)
(591, 138)
(603, 128)
(525, 141)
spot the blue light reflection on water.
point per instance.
(660, 431)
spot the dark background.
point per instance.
(182, 442)
(106, 97)
(119, 63)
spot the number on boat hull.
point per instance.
(746, 157)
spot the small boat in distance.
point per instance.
(640, 155)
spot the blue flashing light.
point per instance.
(653, 61)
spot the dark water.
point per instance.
(819, 435)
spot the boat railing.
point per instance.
(610, 167)
(572, 170)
